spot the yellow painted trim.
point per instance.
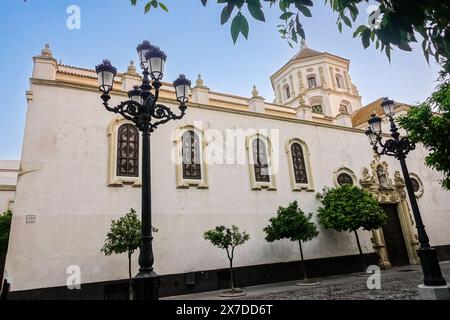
(181, 182)
(113, 179)
(7, 188)
(306, 154)
(256, 185)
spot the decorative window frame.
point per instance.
(294, 185)
(419, 193)
(340, 82)
(115, 180)
(181, 182)
(346, 170)
(309, 76)
(258, 185)
(286, 89)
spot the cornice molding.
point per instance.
(93, 88)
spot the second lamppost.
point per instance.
(399, 147)
(143, 110)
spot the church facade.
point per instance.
(231, 160)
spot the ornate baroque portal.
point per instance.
(376, 180)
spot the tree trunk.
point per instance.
(363, 259)
(231, 276)
(130, 284)
(305, 275)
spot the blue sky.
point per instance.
(195, 43)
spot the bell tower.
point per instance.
(318, 82)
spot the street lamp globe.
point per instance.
(106, 73)
(142, 50)
(388, 107)
(135, 95)
(183, 88)
(375, 124)
(372, 136)
(156, 62)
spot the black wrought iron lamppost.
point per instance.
(142, 108)
(399, 147)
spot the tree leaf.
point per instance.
(148, 6)
(286, 15)
(365, 38)
(347, 21)
(244, 26)
(235, 27)
(255, 11)
(226, 13)
(305, 11)
(163, 6)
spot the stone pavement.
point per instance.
(396, 284)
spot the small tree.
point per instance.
(292, 223)
(124, 237)
(348, 208)
(228, 239)
(5, 226)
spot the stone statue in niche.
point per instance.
(366, 178)
(382, 178)
(399, 182)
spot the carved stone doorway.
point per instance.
(376, 180)
(393, 237)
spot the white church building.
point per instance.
(80, 169)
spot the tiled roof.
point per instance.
(363, 115)
(306, 52)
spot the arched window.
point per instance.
(128, 151)
(260, 163)
(416, 184)
(345, 179)
(340, 81)
(191, 156)
(287, 91)
(298, 163)
(312, 82)
(344, 176)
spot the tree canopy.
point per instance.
(225, 238)
(291, 223)
(424, 125)
(124, 235)
(394, 23)
(348, 208)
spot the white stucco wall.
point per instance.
(64, 183)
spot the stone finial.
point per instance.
(46, 52)
(255, 92)
(131, 68)
(303, 44)
(199, 81)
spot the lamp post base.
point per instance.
(434, 293)
(430, 267)
(146, 286)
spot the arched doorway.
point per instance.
(396, 243)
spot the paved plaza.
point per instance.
(396, 284)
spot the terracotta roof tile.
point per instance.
(363, 115)
(306, 52)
